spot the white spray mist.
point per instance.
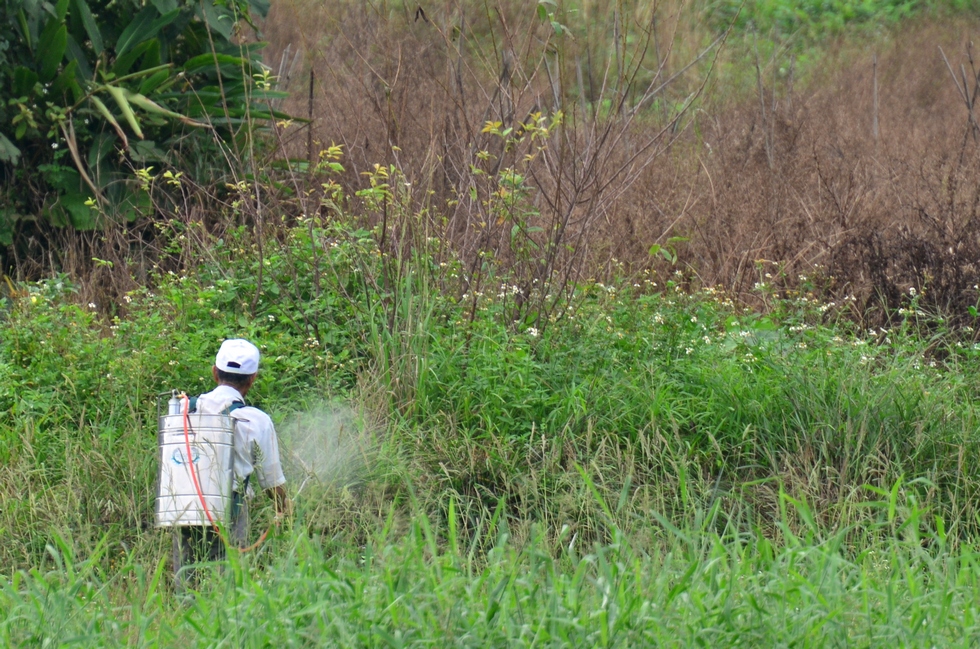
(329, 443)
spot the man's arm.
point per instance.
(265, 456)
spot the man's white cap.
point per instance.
(237, 356)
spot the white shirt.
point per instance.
(256, 444)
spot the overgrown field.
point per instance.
(583, 324)
(649, 465)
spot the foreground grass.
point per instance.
(425, 586)
(654, 465)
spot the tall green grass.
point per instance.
(653, 465)
(425, 585)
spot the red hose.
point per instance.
(197, 484)
(190, 463)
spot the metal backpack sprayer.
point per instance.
(195, 495)
(196, 465)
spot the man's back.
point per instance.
(256, 443)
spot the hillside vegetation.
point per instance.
(603, 351)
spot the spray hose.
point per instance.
(185, 410)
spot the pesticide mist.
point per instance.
(329, 443)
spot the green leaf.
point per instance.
(972, 310)
(127, 111)
(143, 27)
(66, 82)
(218, 18)
(165, 6)
(154, 81)
(206, 62)
(130, 36)
(261, 7)
(61, 10)
(30, 35)
(266, 95)
(152, 57)
(51, 50)
(161, 22)
(71, 199)
(24, 81)
(8, 152)
(109, 117)
(764, 324)
(134, 204)
(88, 21)
(147, 151)
(102, 145)
(126, 61)
(64, 179)
(77, 54)
(81, 216)
(153, 107)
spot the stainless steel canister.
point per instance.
(212, 441)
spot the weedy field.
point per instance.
(594, 324)
(654, 466)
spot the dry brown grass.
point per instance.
(799, 179)
(810, 186)
(797, 176)
(396, 88)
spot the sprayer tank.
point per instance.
(211, 440)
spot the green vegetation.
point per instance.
(654, 465)
(540, 445)
(417, 588)
(90, 93)
(810, 20)
(778, 45)
(803, 24)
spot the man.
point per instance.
(256, 453)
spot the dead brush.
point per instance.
(858, 180)
(515, 130)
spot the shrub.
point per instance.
(90, 91)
